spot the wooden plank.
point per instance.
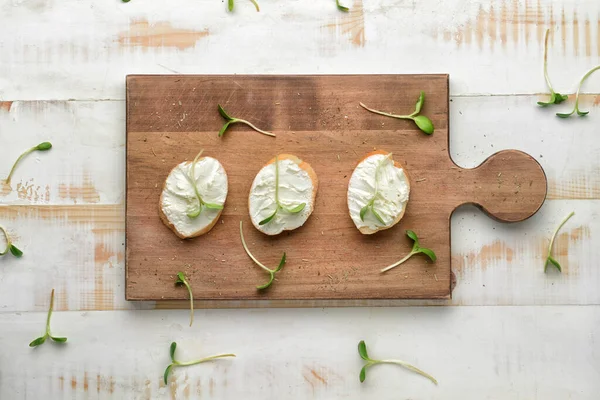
(86, 163)
(475, 42)
(77, 269)
(316, 118)
(474, 352)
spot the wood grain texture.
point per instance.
(169, 118)
(475, 353)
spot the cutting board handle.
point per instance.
(510, 186)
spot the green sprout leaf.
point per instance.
(172, 350)
(376, 215)
(170, 367)
(576, 107)
(429, 253)
(268, 219)
(422, 122)
(221, 109)
(341, 7)
(563, 115)
(416, 249)
(48, 334)
(363, 374)
(555, 98)
(177, 363)
(549, 259)
(295, 210)
(271, 272)
(15, 251)
(555, 263)
(363, 212)
(413, 236)
(281, 263)
(230, 5)
(362, 351)
(44, 146)
(182, 280)
(232, 120)
(420, 102)
(224, 128)
(38, 341)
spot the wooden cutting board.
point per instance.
(170, 118)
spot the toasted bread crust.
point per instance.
(311, 173)
(170, 225)
(365, 230)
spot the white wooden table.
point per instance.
(510, 332)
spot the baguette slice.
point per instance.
(178, 197)
(393, 186)
(298, 184)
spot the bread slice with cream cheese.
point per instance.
(283, 194)
(193, 197)
(378, 192)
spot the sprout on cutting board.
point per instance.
(175, 363)
(232, 120)
(271, 272)
(362, 351)
(549, 258)
(42, 339)
(415, 250)
(421, 121)
(279, 206)
(182, 280)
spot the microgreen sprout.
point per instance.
(278, 205)
(14, 250)
(421, 121)
(232, 120)
(341, 7)
(175, 363)
(549, 258)
(415, 250)
(182, 280)
(576, 107)
(44, 146)
(230, 5)
(197, 209)
(370, 206)
(362, 351)
(555, 97)
(47, 335)
(271, 272)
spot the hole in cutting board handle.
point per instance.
(509, 186)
